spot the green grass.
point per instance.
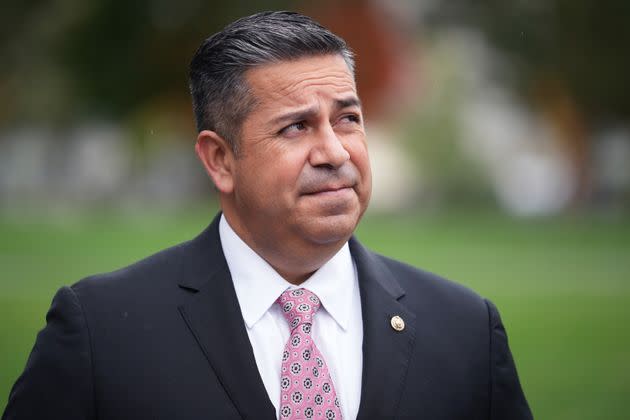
(562, 286)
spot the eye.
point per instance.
(293, 128)
(351, 118)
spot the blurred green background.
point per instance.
(561, 286)
(499, 135)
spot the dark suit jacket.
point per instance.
(165, 339)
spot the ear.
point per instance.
(217, 157)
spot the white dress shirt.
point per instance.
(337, 327)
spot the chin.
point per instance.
(332, 229)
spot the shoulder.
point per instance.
(417, 280)
(157, 277)
(148, 272)
(108, 299)
(427, 293)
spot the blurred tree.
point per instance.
(67, 59)
(565, 56)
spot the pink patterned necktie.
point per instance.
(307, 390)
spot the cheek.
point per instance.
(270, 178)
(360, 158)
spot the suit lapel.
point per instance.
(386, 352)
(215, 319)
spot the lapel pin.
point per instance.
(397, 323)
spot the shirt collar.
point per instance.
(258, 285)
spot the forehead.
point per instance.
(301, 81)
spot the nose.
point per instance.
(328, 150)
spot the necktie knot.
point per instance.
(298, 307)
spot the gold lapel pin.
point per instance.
(397, 323)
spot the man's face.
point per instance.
(302, 174)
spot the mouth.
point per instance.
(329, 190)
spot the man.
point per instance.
(274, 311)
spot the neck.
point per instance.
(294, 261)
(295, 279)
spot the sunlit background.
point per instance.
(499, 134)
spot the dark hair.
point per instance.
(220, 94)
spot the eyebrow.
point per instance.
(305, 114)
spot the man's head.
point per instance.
(221, 96)
(300, 180)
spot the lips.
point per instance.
(325, 189)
